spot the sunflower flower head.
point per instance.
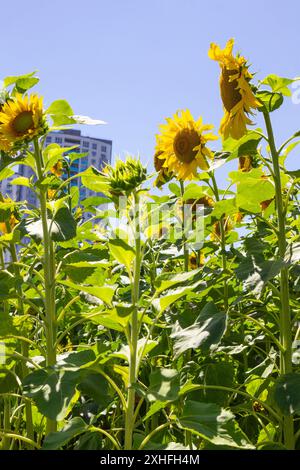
(236, 93)
(196, 260)
(181, 145)
(22, 118)
(57, 169)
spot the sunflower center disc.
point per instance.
(229, 94)
(184, 143)
(23, 122)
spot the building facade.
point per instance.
(99, 153)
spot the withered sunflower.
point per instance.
(22, 118)
(236, 93)
(181, 145)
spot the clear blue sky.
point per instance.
(133, 62)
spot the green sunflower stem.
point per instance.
(223, 241)
(285, 314)
(134, 331)
(184, 241)
(49, 275)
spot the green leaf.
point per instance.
(213, 423)
(256, 274)
(24, 84)
(61, 113)
(124, 351)
(7, 282)
(162, 303)
(22, 79)
(93, 180)
(95, 386)
(194, 191)
(277, 83)
(247, 145)
(205, 333)
(62, 227)
(286, 393)
(8, 381)
(175, 189)
(56, 440)
(122, 252)
(164, 385)
(252, 189)
(166, 281)
(53, 388)
(21, 181)
(6, 173)
(104, 293)
(271, 101)
(224, 207)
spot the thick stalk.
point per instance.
(223, 241)
(184, 243)
(285, 314)
(49, 274)
(134, 332)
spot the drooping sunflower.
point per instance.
(236, 93)
(22, 118)
(163, 176)
(182, 145)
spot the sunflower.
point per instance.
(181, 145)
(22, 118)
(57, 169)
(164, 176)
(196, 260)
(236, 93)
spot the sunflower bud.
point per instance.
(125, 177)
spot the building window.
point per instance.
(94, 154)
(58, 140)
(86, 144)
(103, 156)
(103, 148)
(48, 139)
(93, 162)
(94, 146)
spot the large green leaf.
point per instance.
(122, 252)
(56, 440)
(286, 393)
(247, 145)
(271, 101)
(104, 293)
(94, 180)
(277, 83)
(256, 274)
(213, 423)
(53, 388)
(61, 113)
(62, 226)
(164, 385)
(95, 386)
(205, 333)
(252, 189)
